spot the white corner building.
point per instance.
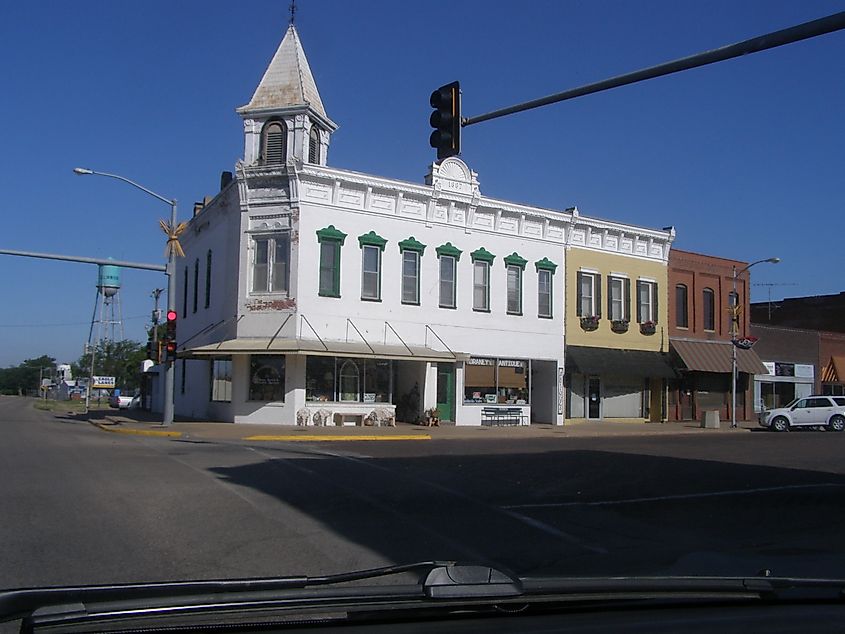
(316, 295)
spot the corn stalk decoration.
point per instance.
(173, 234)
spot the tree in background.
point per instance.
(120, 359)
(26, 377)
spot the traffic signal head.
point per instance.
(170, 336)
(446, 120)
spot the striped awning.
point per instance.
(834, 372)
(715, 356)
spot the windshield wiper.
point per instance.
(15, 602)
(443, 585)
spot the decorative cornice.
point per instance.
(450, 250)
(483, 255)
(557, 226)
(372, 239)
(546, 265)
(412, 244)
(330, 233)
(514, 259)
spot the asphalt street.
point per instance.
(81, 505)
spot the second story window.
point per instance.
(545, 272)
(618, 304)
(185, 294)
(412, 251)
(273, 143)
(410, 277)
(208, 279)
(646, 301)
(330, 240)
(709, 307)
(372, 246)
(589, 294)
(515, 265)
(449, 256)
(481, 261)
(271, 263)
(196, 281)
(681, 306)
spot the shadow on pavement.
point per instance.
(568, 512)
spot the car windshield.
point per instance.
(285, 297)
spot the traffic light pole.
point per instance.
(796, 33)
(169, 371)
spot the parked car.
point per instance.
(809, 411)
(122, 401)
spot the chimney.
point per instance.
(198, 208)
(225, 179)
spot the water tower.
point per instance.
(109, 322)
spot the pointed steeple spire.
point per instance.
(287, 81)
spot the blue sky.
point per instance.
(745, 158)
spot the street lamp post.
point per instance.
(734, 324)
(169, 374)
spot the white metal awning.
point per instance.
(270, 345)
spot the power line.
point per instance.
(78, 323)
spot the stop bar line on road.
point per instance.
(662, 498)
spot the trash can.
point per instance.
(710, 419)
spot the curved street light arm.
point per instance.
(83, 171)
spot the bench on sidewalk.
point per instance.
(502, 416)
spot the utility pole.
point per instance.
(770, 284)
(156, 318)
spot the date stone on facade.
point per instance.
(452, 175)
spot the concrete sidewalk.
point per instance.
(146, 424)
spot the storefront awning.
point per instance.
(614, 362)
(834, 372)
(715, 356)
(268, 345)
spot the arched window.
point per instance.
(709, 309)
(314, 145)
(349, 384)
(273, 143)
(681, 306)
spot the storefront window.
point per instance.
(267, 378)
(349, 384)
(319, 378)
(376, 381)
(496, 381)
(348, 380)
(513, 382)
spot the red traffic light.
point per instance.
(171, 315)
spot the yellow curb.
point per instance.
(141, 432)
(336, 438)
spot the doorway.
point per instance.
(446, 391)
(594, 397)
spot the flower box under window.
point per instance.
(590, 323)
(648, 327)
(619, 325)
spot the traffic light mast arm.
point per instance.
(789, 35)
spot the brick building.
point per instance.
(700, 300)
